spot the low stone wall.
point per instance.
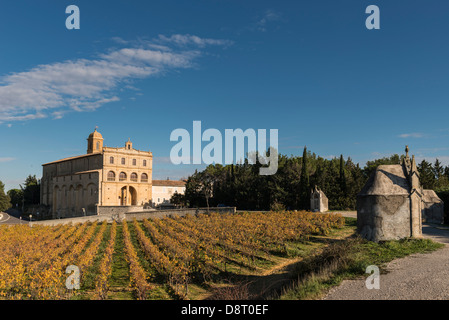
(177, 212)
(75, 220)
(118, 215)
(108, 210)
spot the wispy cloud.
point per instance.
(7, 159)
(87, 84)
(411, 135)
(187, 39)
(268, 17)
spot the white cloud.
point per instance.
(268, 16)
(86, 84)
(411, 135)
(7, 159)
(187, 39)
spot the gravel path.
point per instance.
(415, 277)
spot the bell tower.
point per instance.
(95, 142)
(128, 145)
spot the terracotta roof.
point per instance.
(169, 183)
(73, 158)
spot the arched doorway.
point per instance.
(133, 196)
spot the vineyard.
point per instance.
(170, 258)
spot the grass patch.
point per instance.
(119, 281)
(348, 259)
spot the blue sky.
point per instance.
(141, 69)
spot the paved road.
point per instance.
(6, 218)
(416, 277)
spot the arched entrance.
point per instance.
(128, 196)
(133, 196)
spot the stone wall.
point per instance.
(118, 215)
(54, 222)
(108, 210)
(383, 217)
(433, 212)
(177, 212)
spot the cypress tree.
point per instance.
(342, 176)
(304, 185)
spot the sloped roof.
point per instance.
(73, 158)
(430, 196)
(387, 180)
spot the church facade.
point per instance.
(103, 177)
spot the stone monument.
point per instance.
(318, 201)
(392, 203)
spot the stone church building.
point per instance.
(103, 177)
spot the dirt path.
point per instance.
(417, 277)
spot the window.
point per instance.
(144, 163)
(144, 177)
(98, 145)
(122, 176)
(111, 160)
(133, 177)
(123, 160)
(134, 162)
(111, 176)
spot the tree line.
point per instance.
(27, 195)
(242, 186)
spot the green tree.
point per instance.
(16, 196)
(438, 169)
(304, 184)
(426, 175)
(342, 177)
(178, 199)
(442, 180)
(31, 190)
(4, 198)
